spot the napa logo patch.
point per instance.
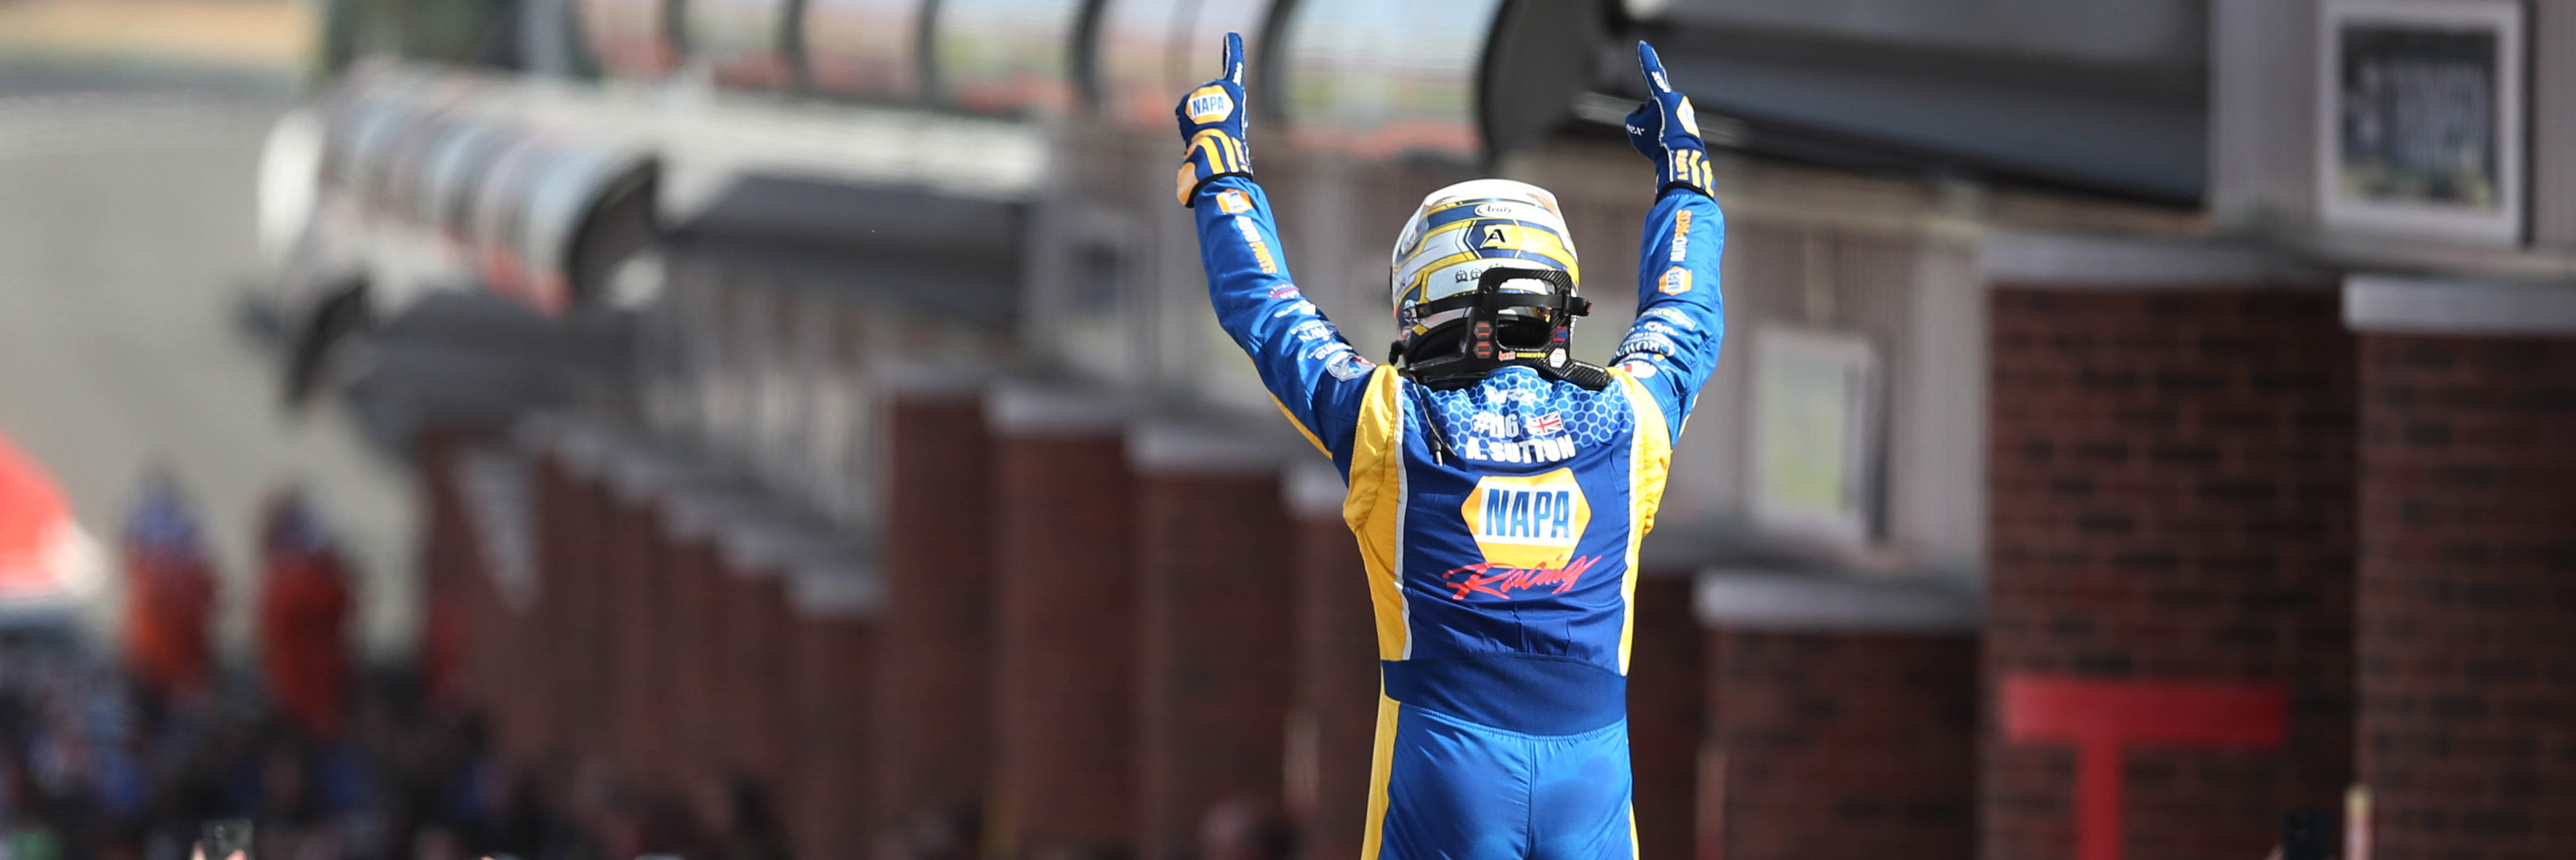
(1209, 104)
(1528, 522)
(1676, 281)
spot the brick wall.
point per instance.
(2172, 487)
(1665, 677)
(938, 564)
(827, 799)
(492, 669)
(696, 574)
(1063, 657)
(447, 562)
(1213, 645)
(1832, 744)
(638, 665)
(2467, 616)
(1334, 717)
(752, 691)
(565, 618)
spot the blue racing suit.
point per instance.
(1501, 570)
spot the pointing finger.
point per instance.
(1233, 58)
(1653, 68)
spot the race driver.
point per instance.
(1498, 488)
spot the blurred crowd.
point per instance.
(128, 753)
(129, 756)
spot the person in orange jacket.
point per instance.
(169, 594)
(303, 618)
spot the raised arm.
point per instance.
(1681, 317)
(1314, 374)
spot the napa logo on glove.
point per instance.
(1210, 103)
(1529, 522)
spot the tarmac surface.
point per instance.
(126, 244)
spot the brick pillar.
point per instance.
(693, 517)
(1333, 723)
(448, 537)
(838, 606)
(654, 637)
(2467, 605)
(934, 691)
(550, 501)
(449, 567)
(506, 676)
(570, 633)
(1063, 617)
(1213, 591)
(1840, 718)
(759, 549)
(2171, 496)
(638, 709)
(1665, 680)
(485, 617)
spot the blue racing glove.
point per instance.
(1212, 125)
(1665, 130)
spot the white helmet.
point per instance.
(1463, 231)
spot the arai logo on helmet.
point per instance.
(1499, 210)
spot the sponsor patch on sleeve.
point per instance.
(1260, 249)
(1348, 367)
(1234, 202)
(1676, 281)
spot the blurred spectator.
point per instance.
(303, 618)
(170, 593)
